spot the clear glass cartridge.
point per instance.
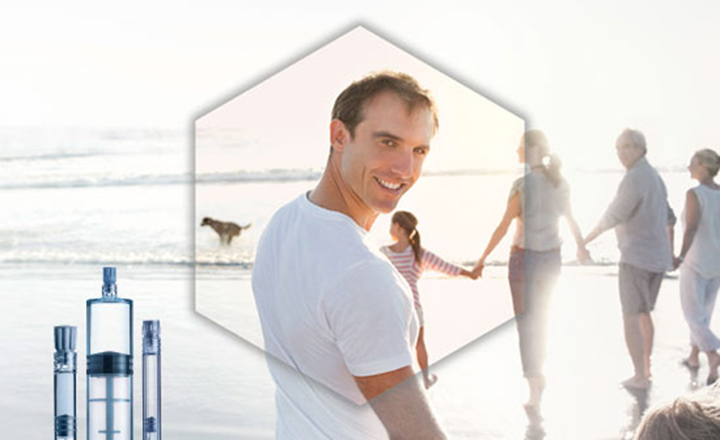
(109, 364)
(65, 382)
(151, 380)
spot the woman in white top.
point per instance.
(537, 201)
(700, 259)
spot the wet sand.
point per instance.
(216, 385)
(587, 361)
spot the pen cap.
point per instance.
(65, 338)
(151, 337)
(109, 287)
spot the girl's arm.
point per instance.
(433, 262)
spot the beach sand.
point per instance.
(216, 385)
(587, 361)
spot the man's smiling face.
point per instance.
(385, 156)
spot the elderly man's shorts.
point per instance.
(638, 289)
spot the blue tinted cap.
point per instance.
(65, 337)
(109, 276)
(151, 328)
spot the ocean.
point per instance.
(76, 200)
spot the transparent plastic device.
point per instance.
(65, 368)
(109, 364)
(151, 380)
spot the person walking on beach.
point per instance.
(699, 259)
(643, 222)
(411, 260)
(537, 201)
(331, 308)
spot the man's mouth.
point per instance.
(389, 185)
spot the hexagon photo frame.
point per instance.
(264, 147)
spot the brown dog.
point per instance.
(225, 230)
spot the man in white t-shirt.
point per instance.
(335, 314)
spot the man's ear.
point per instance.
(339, 135)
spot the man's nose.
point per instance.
(403, 163)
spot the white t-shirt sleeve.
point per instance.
(369, 313)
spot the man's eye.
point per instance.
(390, 143)
(421, 150)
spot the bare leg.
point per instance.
(635, 341)
(693, 359)
(422, 357)
(714, 361)
(648, 334)
(537, 386)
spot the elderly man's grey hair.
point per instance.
(636, 137)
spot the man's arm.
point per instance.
(595, 233)
(369, 313)
(621, 209)
(401, 405)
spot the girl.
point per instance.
(411, 260)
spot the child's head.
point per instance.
(407, 224)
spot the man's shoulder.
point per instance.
(650, 177)
(306, 216)
(332, 239)
(369, 267)
(289, 209)
(642, 174)
(642, 170)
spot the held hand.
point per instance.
(478, 269)
(470, 274)
(583, 255)
(477, 272)
(676, 262)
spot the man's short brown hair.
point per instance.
(350, 104)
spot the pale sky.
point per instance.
(581, 72)
(283, 122)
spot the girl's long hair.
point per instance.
(409, 222)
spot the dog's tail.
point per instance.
(246, 226)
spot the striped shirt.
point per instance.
(405, 263)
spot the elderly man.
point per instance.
(643, 223)
(333, 310)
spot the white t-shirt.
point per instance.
(332, 308)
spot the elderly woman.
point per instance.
(700, 259)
